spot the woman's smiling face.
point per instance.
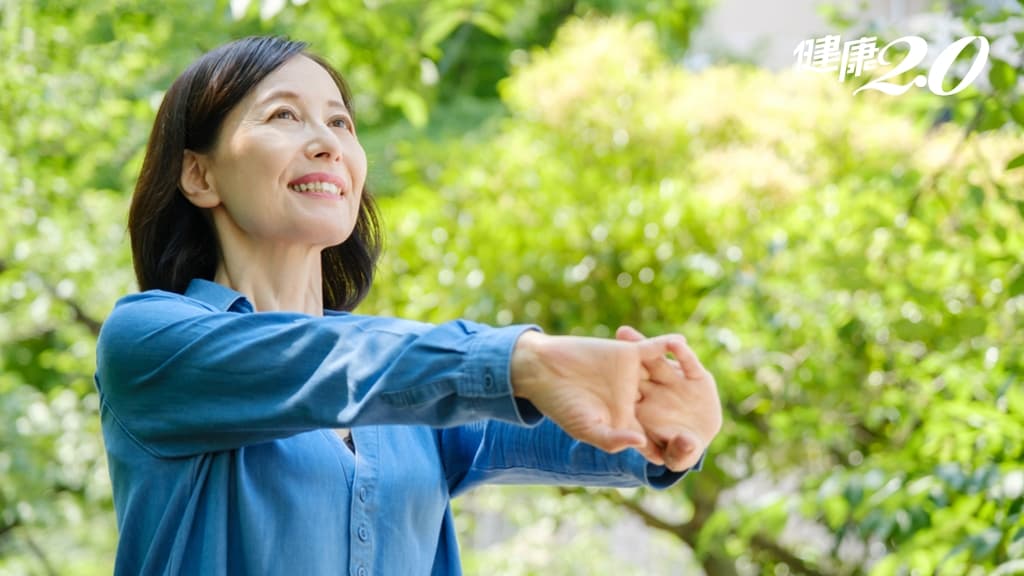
(287, 167)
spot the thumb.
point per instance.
(614, 440)
(683, 451)
(628, 333)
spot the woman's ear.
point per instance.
(195, 181)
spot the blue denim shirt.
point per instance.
(217, 422)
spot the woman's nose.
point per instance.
(324, 144)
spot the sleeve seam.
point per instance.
(117, 420)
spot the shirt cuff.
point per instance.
(489, 378)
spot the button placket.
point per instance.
(363, 509)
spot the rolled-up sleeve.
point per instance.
(499, 453)
(182, 379)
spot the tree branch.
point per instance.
(686, 532)
(39, 554)
(715, 563)
(971, 127)
(7, 528)
(82, 318)
(77, 313)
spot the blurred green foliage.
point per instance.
(850, 272)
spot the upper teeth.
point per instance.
(329, 187)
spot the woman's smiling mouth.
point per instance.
(319, 184)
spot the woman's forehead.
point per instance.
(300, 78)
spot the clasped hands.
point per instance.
(651, 394)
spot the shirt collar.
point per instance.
(218, 296)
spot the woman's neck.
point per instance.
(280, 279)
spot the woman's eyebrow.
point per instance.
(289, 95)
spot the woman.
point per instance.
(254, 426)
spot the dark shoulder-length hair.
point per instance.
(173, 241)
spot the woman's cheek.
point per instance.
(359, 166)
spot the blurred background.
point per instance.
(848, 266)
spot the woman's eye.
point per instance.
(284, 114)
(341, 122)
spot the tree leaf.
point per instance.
(1016, 287)
(1002, 75)
(977, 195)
(993, 118)
(488, 23)
(983, 545)
(1017, 111)
(439, 29)
(413, 105)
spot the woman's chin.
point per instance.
(333, 239)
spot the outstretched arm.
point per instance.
(182, 378)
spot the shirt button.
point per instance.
(488, 382)
(362, 571)
(364, 534)
(363, 494)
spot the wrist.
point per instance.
(524, 366)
